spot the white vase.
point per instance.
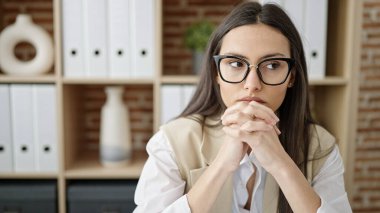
(115, 133)
(24, 30)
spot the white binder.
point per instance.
(310, 18)
(95, 37)
(171, 105)
(119, 38)
(143, 37)
(22, 128)
(295, 10)
(316, 36)
(45, 127)
(188, 92)
(73, 48)
(6, 161)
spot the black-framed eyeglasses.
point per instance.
(271, 71)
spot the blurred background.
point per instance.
(346, 100)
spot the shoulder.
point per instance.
(157, 142)
(189, 121)
(182, 127)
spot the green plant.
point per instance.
(197, 35)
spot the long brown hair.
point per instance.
(294, 112)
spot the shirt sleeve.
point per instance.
(160, 187)
(329, 185)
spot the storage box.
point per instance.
(101, 196)
(28, 196)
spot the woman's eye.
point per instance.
(236, 64)
(273, 65)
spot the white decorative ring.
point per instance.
(25, 31)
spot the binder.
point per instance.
(119, 38)
(310, 18)
(171, 105)
(95, 37)
(6, 156)
(73, 48)
(316, 35)
(22, 127)
(143, 37)
(45, 127)
(295, 10)
(188, 92)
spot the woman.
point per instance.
(246, 142)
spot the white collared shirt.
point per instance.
(161, 188)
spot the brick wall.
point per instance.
(367, 162)
(177, 16)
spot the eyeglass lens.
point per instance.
(272, 71)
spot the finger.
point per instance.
(236, 118)
(237, 132)
(232, 132)
(234, 108)
(260, 112)
(249, 138)
(264, 108)
(277, 130)
(252, 111)
(257, 125)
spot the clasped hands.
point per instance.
(252, 125)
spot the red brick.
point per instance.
(374, 25)
(371, 46)
(180, 13)
(367, 210)
(367, 159)
(217, 13)
(374, 198)
(172, 34)
(371, 4)
(213, 2)
(170, 2)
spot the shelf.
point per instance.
(28, 175)
(328, 81)
(192, 79)
(49, 78)
(180, 79)
(106, 81)
(89, 167)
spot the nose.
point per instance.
(252, 82)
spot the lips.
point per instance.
(249, 99)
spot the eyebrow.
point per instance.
(271, 55)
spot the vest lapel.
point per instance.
(271, 191)
(197, 148)
(212, 140)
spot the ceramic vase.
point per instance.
(115, 133)
(24, 30)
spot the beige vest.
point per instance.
(195, 148)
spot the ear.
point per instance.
(217, 79)
(292, 79)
